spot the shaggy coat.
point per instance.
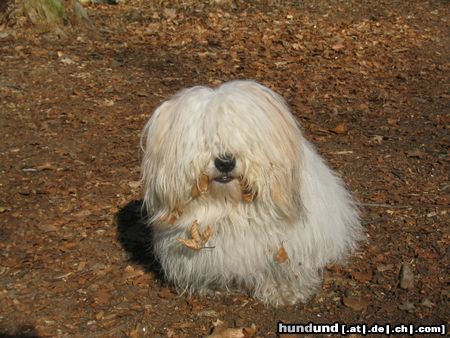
(269, 224)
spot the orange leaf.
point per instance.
(189, 243)
(341, 128)
(207, 234)
(247, 194)
(203, 183)
(195, 233)
(281, 255)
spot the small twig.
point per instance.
(343, 152)
(382, 205)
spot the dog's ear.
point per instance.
(156, 129)
(155, 182)
(284, 178)
(285, 195)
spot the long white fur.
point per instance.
(300, 203)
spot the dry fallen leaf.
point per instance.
(100, 315)
(166, 293)
(337, 46)
(249, 331)
(169, 13)
(47, 227)
(131, 273)
(377, 139)
(194, 192)
(391, 121)
(203, 183)
(362, 277)
(190, 243)
(406, 277)
(195, 232)
(82, 214)
(281, 255)
(174, 215)
(207, 234)
(45, 166)
(102, 296)
(355, 303)
(341, 128)
(134, 184)
(247, 195)
(171, 219)
(201, 186)
(198, 239)
(220, 331)
(417, 153)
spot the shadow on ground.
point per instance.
(23, 332)
(135, 236)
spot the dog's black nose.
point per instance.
(225, 163)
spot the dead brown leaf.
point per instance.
(355, 303)
(415, 153)
(47, 227)
(341, 128)
(190, 243)
(195, 233)
(220, 331)
(201, 186)
(198, 239)
(166, 293)
(102, 296)
(362, 277)
(207, 234)
(338, 46)
(46, 166)
(174, 215)
(281, 255)
(247, 194)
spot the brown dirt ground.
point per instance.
(367, 79)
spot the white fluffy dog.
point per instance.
(238, 199)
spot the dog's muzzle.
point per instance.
(225, 164)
